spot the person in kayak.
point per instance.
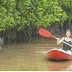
(66, 39)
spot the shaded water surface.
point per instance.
(31, 57)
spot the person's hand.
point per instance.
(71, 46)
(58, 39)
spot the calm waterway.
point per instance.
(31, 57)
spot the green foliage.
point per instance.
(66, 6)
(6, 14)
(18, 13)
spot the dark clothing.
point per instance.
(65, 46)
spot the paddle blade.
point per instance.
(44, 32)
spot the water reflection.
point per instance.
(58, 65)
(31, 57)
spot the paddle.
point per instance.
(46, 33)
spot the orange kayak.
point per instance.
(58, 54)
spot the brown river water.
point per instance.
(31, 57)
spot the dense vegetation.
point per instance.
(21, 19)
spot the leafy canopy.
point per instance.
(18, 13)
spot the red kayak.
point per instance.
(58, 54)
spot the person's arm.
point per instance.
(59, 41)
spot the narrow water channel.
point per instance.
(30, 57)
